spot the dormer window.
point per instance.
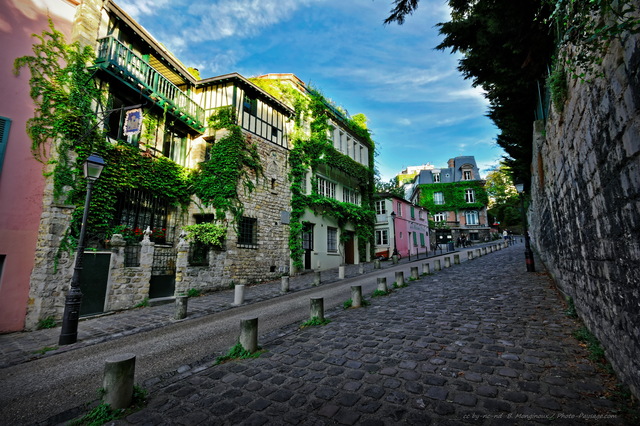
(466, 175)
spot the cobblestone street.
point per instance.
(479, 343)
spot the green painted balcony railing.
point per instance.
(117, 59)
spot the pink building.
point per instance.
(21, 178)
(400, 226)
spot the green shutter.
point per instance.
(422, 240)
(415, 239)
(5, 124)
(413, 215)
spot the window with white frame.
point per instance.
(332, 239)
(470, 196)
(382, 237)
(466, 175)
(471, 217)
(440, 217)
(399, 209)
(326, 187)
(438, 198)
(381, 207)
(436, 177)
(341, 142)
(350, 196)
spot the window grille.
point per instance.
(198, 254)
(132, 255)
(247, 231)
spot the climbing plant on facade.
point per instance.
(454, 196)
(231, 162)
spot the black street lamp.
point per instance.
(528, 254)
(395, 248)
(69, 333)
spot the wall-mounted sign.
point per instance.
(133, 122)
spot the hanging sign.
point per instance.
(133, 122)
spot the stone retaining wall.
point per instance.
(585, 211)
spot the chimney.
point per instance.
(451, 163)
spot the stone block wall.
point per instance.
(585, 210)
(128, 285)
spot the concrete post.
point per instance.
(356, 296)
(284, 284)
(249, 334)
(361, 268)
(376, 264)
(484, 251)
(470, 254)
(119, 371)
(341, 272)
(400, 278)
(426, 268)
(447, 262)
(181, 307)
(394, 259)
(382, 284)
(317, 279)
(317, 308)
(478, 253)
(436, 265)
(238, 298)
(414, 273)
(456, 259)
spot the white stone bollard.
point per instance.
(478, 253)
(436, 265)
(414, 273)
(382, 284)
(181, 307)
(376, 264)
(470, 254)
(426, 268)
(399, 278)
(447, 262)
(238, 294)
(356, 296)
(119, 372)
(456, 259)
(317, 308)
(341, 272)
(249, 334)
(284, 284)
(317, 278)
(361, 268)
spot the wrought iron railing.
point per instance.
(118, 59)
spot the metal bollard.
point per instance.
(317, 279)
(238, 298)
(414, 273)
(456, 259)
(181, 307)
(249, 334)
(119, 371)
(382, 284)
(399, 278)
(317, 308)
(436, 265)
(356, 296)
(284, 284)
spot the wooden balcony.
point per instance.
(121, 62)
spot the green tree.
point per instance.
(392, 187)
(504, 202)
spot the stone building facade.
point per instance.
(585, 203)
(131, 67)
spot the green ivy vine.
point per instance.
(589, 26)
(307, 154)
(454, 196)
(231, 162)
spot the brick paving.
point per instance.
(483, 342)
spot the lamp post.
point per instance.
(69, 333)
(528, 254)
(395, 248)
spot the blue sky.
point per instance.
(420, 108)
